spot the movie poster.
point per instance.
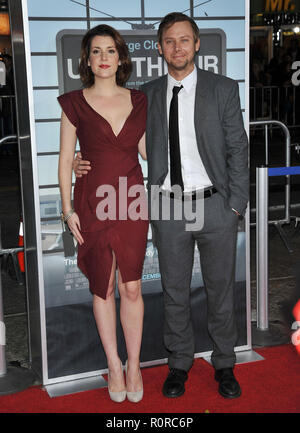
(56, 28)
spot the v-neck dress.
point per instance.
(112, 157)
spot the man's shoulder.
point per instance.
(154, 84)
(207, 78)
(215, 79)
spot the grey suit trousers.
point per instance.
(216, 242)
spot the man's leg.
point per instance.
(176, 253)
(217, 258)
(217, 247)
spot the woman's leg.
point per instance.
(105, 316)
(132, 315)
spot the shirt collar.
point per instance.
(188, 82)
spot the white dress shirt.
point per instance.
(193, 171)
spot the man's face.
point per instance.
(179, 48)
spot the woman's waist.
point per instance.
(108, 157)
(97, 177)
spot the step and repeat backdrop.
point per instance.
(56, 28)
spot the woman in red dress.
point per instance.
(109, 122)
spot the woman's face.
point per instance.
(104, 57)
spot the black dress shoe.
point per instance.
(228, 385)
(174, 384)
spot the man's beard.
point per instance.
(179, 67)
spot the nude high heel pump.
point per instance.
(116, 396)
(134, 396)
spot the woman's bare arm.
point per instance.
(66, 156)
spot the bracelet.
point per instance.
(66, 217)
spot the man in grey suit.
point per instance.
(214, 158)
(204, 149)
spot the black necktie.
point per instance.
(175, 160)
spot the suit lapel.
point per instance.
(201, 99)
(160, 97)
(200, 114)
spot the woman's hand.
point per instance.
(74, 225)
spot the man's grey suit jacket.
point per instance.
(221, 137)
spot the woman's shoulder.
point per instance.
(138, 95)
(71, 96)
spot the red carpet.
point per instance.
(269, 386)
